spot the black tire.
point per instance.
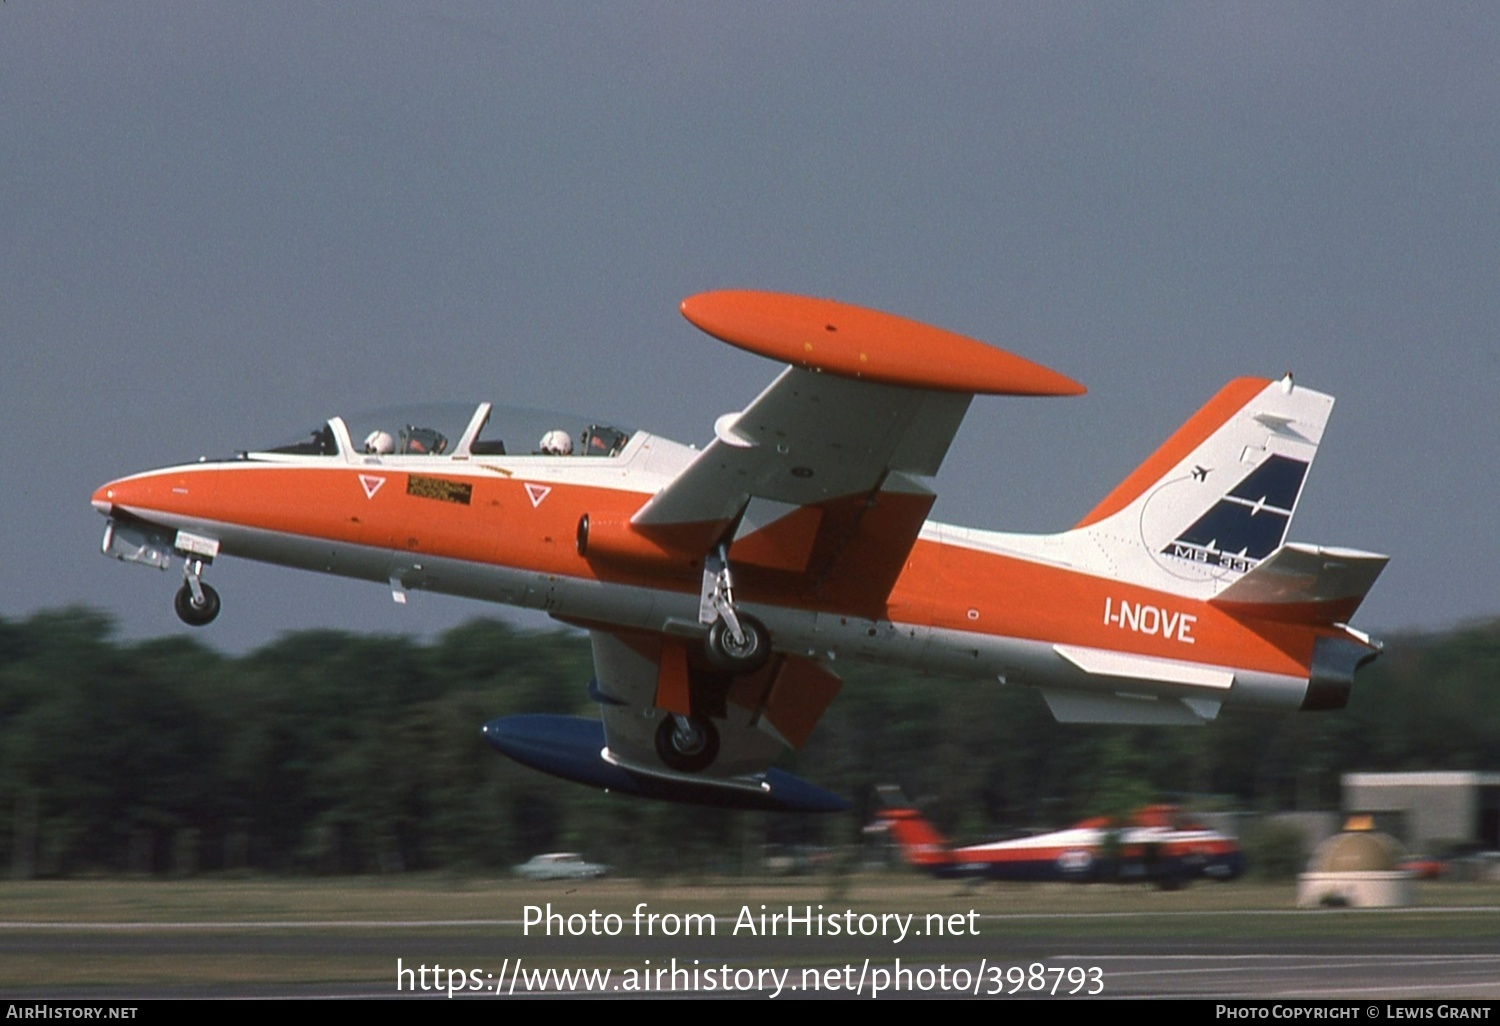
(684, 754)
(191, 613)
(738, 659)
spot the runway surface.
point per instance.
(1366, 956)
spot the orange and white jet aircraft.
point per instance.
(719, 585)
(1157, 844)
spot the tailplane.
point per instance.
(1304, 584)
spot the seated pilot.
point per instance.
(380, 443)
(556, 443)
(423, 441)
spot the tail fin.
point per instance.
(921, 844)
(1218, 496)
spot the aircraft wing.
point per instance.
(818, 489)
(826, 475)
(810, 438)
(819, 474)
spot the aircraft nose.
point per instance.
(103, 498)
(135, 492)
(183, 490)
(153, 490)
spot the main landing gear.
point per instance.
(687, 744)
(737, 642)
(196, 603)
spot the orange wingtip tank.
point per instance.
(855, 342)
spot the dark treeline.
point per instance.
(331, 752)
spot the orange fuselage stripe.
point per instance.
(495, 520)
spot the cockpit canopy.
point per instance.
(458, 431)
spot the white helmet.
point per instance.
(381, 443)
(557, 443)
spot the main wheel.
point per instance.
(738, 657)
(688, 749)
(196, 614)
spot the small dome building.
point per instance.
(1356, 869)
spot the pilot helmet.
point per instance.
(557, 443)
(381, 443)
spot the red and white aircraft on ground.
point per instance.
(719, 584)
(1158, 844)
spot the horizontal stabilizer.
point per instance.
(1304, 583)
(573, 748)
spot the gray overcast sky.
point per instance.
(222, 223)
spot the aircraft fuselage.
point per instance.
(966, 603)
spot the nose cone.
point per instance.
(173, 490)
(103, 498)
(136, 492)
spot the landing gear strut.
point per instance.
(737, 642)
(196, 603)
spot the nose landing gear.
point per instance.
(196, 603)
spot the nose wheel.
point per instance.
(193, 612)
(196, 603)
